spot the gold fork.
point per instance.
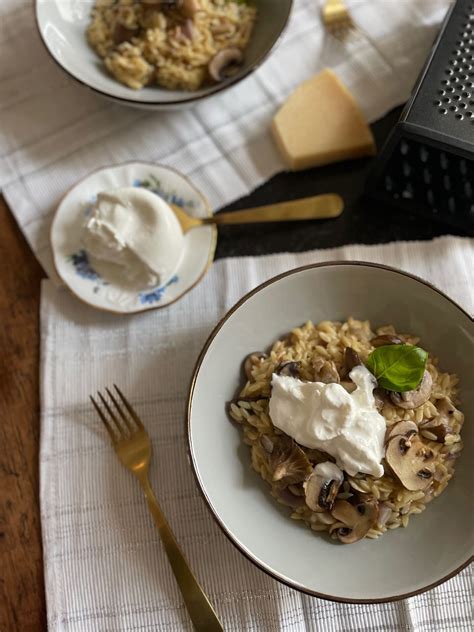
(133, 447)
(321, 206)
(336, 18)
(338, 21)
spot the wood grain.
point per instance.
(22, 601)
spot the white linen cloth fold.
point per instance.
(105, 568)
(53, 131)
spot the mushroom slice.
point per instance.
(351, 359)
(251, 361)
(188, 8)
(358, 519)
(440, 425)
(384, 514)
(386, 339)
(411, 461)
(348, 385)
(188, 29)
(322, 486)
(403, 428)
(288, 462)
(225, 63)
(325, 371)
(380, 396)
(290, 369)
(412, 399)
(287, 497)
(123, 34)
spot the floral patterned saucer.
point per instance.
(84, 278)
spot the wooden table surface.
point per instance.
(22, 602)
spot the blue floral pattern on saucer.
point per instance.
(153, 184)
(148, 298)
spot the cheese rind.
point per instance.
(321, 123)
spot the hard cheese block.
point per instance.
(321, 123)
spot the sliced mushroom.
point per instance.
(412, 399)
(287, 497)
(380, 396)
(225, 63)
(348, 385)
(322, 486)
(440, 426)
(325, 371)
(358, 519)
(386, 339)
(188, 8)
(290, 369)
(288, 462)
(317, 456)
(188, 29)
(406, 428)
(123, 34)
(251, 361)
(411, 461)
(384, 514)
(351, 359)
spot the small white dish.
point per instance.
(86, 281)
(438, 543)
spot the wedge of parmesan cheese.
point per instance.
(321, 123)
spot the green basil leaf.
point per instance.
(398, 367)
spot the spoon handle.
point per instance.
(315, 207)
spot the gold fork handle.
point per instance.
(200, 610)
(315, 207)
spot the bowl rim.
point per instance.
(175, 103)
(230, 536)
(207, 206)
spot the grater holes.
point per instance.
(423, 177)
(455, 89)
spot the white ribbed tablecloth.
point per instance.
(105, 568)
(53, 131)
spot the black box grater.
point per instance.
(427, 163)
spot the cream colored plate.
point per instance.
(437, 543)
(87, 279)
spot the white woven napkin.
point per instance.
(104, 566)
(53, 132)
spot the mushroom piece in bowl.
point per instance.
(237, 496)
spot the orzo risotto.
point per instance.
(177, 44)
(354, 429)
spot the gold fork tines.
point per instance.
(339, 23)
(133, 447)
(336, 18)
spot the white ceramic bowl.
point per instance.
(437, 543)
(62, 25)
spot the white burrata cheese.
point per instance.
(136, 230)
(326, 417)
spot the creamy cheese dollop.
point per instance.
(326, 417)
(135, 229)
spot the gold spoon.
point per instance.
(315, 207)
